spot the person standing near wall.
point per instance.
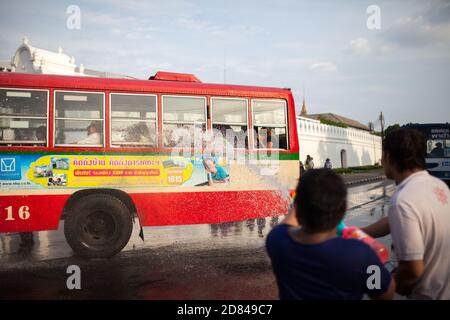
(309, 163)
(308, 159)
(328, 164)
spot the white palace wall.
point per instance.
(346, 147)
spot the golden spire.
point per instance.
(304, 112)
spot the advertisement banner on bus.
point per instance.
(73, 171)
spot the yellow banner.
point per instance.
(97, 171)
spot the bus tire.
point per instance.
(98, 226)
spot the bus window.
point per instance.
(23, 117)
(438, 148)
(79, 118)
(447, 149)
(229, 116)
(184, 119)
(133, 120)
(269, 122)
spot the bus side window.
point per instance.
(436, 148)
(133, 120)
(79, 118)
(184, 120)
(269, 122)
(229, 119)
(447, 149)
(23, 117)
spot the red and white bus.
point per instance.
(99, 152)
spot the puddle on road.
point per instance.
(366, 204)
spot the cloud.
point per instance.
(365, 47)
(360, 46)
(200, 25)
(428, 27)
(325, 66)
(160, 66)
(438, 12)
(123, 26)
(232, 31)
(416, 31)
(152, 8)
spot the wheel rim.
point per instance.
(98, 229)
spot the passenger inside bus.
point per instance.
(438, 151)
(183, 135)
(140, 133)
(236, 135)
(265, 138)
(40, 133)
(94, 134)
(271, 138)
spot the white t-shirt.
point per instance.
(419, 218)
(94, 139)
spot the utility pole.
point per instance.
(382, 123)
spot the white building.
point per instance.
(345, 147)
(29, 59)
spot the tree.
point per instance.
(390, 128)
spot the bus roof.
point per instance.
(13, 79)
(428, 125)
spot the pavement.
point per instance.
(352, 179)
(220, 261)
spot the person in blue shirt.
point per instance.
(218, 173)
(308, 259)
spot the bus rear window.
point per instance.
(133, 120)
(23, 117)
(269, 122)
(79, 118)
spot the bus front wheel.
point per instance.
(98, 226)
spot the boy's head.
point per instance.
(404, 150)
(321, 200)
(210, 165)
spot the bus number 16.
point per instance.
(24, 213)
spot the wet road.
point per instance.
(224, 261)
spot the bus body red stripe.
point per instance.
(154, 209)
(208, 207)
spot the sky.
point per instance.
(321, 49)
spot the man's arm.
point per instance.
(389, 294)
(291, 219)
(378, 229)
(407, 274)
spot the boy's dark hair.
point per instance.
(406, 148)
(321, 200)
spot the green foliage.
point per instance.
(376, 133)
(360, 169)
(390, 128)
(333, 123)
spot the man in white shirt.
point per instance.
(94, 137)
(418, 219)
